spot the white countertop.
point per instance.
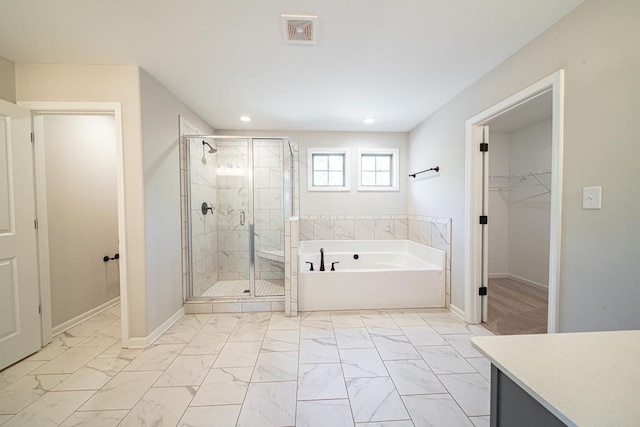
(584, 379)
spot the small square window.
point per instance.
(328, 169)
(378, 169)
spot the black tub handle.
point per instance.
(333, 264)
(311, 265)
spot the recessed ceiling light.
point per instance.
(245, 118)
(369, 120)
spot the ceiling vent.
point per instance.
(299, 29)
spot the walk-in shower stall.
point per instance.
(238, 193)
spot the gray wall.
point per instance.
(597, 46)
(529, 220)
(7, 80)
(159, 114)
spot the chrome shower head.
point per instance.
(211, 149)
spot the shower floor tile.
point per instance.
(234, 288)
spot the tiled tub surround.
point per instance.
(386, 367)
(370, 274)
(291, 236)
(430, 231)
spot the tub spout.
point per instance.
(321, 259)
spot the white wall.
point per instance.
(82, 212)
(599, 269)
(160, 129)
(529, 220)
(7, 80)
(498, 227)
(351, 202)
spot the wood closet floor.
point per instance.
(516, 308)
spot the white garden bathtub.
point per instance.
(386, 274)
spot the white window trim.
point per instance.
(395, 168)
(346, 151)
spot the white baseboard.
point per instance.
(498, 275)
(456, 310)
(57, 330)
(528, 282)
(142, 342)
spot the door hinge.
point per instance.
(40, 309)
(35, 224)
(32, 137)
(482, 291)
(484, 219)
(484, 147)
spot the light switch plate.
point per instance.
(592, 198)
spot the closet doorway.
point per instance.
(519, 203)
(532, 180)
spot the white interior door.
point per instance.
(19, 289)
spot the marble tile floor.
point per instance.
(370, 368)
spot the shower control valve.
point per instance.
(205, 208)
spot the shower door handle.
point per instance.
(242, 219)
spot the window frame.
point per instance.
(394, 173)
(343, 151)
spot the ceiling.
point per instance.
(398, 61)
(524, 115)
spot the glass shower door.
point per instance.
(234, 218)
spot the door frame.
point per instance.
(476, 185)
(62, 108)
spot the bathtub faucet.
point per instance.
(321, 259)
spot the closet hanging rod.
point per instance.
(521, 175)
(436, 169)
